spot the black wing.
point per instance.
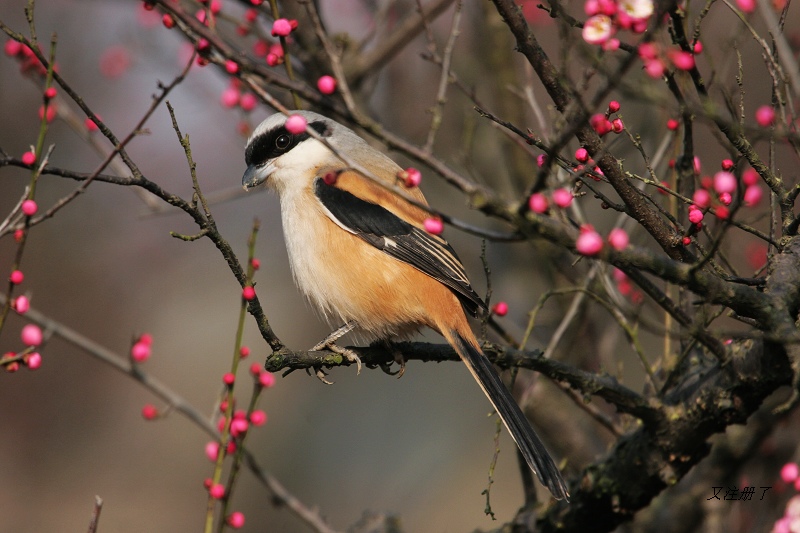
(389, 233)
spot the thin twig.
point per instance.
(444, 79)
(98, 506)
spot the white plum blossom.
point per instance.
(598, 29)
(637, 9)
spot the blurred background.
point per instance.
(419, 447)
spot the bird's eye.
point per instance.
(283, 142)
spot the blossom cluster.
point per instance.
(607, 17)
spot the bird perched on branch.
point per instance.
(362, 255)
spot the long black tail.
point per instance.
(531, 447)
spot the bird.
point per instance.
(361, 254)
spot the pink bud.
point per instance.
(266, 379)
(212, 451)
(146, 338)
(724, 182)
(722, 212)
(248, 293)
(277, 49)
(326, 84)
(16, 277)
(229, 97)
(654, 68)
(31, 335)
(701, 198)
(725, 198)
(696, 216)
(51, 112)
(228, 378)
(248, 102)
(33, 360)
(235, 520)
(412, 177)
(765, 116)
(149, 412)
(231, 66)
(748, 6)
(244, 351)
(258, 418)
(537, 203)
(611, 45)
(140, 352)
(12, 48)
(541, 159)
(296, 124)
(752, 195)
(727, 164)
(261, 48)
(562, 197)
(217, 491)
(698, 48)
(600, 123)
(22, 304)
(256, 263)
(750, 177)
(589, 242)
(681, 59)
(29, 207)
(582, 155)
(28, 158)
(648, 50)
(50, 93)
(433, 226)
(281, 28)
(672, 124)
(617, 126)
(255, 369)
(500, 309)
(168, 21)
(613, 106)
(239, 427)
(783, 525)
(618, 239)
(639, 25)
(790, 472)
(90, 124)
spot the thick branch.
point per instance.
(646, 462)
(603, 386)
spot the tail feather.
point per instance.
(531, 447)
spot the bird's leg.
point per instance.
(329, 342)
(398, 357)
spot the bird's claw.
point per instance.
(347, 353)
(321, 376)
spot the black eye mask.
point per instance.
(277, 142)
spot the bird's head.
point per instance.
(280, 158)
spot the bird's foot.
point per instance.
(347, 353)
(398, 358)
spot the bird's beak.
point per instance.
(256, 175)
